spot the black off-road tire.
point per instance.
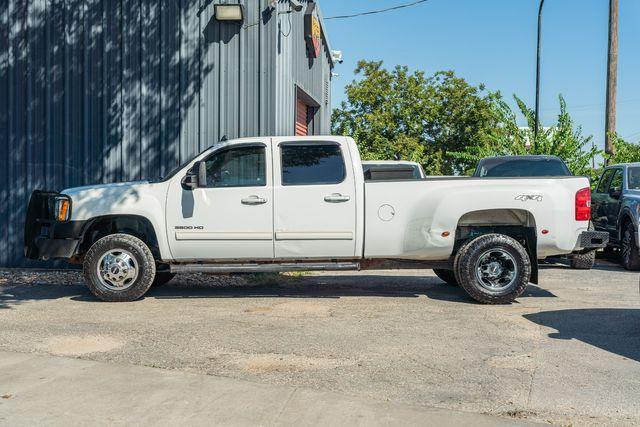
(162, 278)
(143, 256)
(448, 276)
(583, 261)
(470, 253)
(629, 254)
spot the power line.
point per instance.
(373, 12)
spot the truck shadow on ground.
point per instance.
(338, 287)
(616, 330)
(305, 287)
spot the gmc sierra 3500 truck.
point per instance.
(301, 203)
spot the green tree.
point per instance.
(564, 139)
(625, 152)
(400, 115)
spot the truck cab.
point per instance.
(270, 198)
(616, 210)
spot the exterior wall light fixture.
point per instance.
(229, 12)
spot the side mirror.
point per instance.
(195, 177)
(615, 193)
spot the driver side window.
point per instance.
(237, 167)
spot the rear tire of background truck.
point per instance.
(119, 268)
(493, 268)
(448, 276)
(629, 256)
(583, 261)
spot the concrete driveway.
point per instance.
(566, 352)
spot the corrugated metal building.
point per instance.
(96, 91)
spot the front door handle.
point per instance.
(253, 200)
(336, 198)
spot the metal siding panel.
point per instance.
(308, 75)
(170, 126)
(113, 93)
(74, 91)
(210, 95)
(5, 247)
(94, 91)
(149, 91)
(189, 78)
(131, 115)
(18, 131)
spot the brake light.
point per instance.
(583, 204)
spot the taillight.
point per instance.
(583, 204)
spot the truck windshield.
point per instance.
(178, 168)
(633, 178)
(514, 167)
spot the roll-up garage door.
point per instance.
(302, 118)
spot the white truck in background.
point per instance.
(391, 169)
(270, 204)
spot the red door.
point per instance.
(302, 118)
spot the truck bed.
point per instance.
(418, 219)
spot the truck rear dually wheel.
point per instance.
(493, 268)
(119, 267)
(583, 261)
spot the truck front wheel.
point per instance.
(119, 267)
(493, 268)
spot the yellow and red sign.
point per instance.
(312, 31)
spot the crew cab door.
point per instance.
(612, 204)
(232, 216)
(599, 201)
(606, 202)
(314, 199)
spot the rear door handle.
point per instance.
(253, 200)
(336, 198)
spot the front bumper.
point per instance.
(44, 237)
(45, 248)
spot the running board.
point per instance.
(263, 268)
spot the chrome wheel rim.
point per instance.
(117, 270)
(496, 270)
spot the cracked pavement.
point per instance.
(567, 352)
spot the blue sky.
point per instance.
(493, 42)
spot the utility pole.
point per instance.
(612, 77)
(537, 116)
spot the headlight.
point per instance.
(62, 210)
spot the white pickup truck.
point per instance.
(301, 203)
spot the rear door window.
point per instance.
(603, 185)
(312, 164)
